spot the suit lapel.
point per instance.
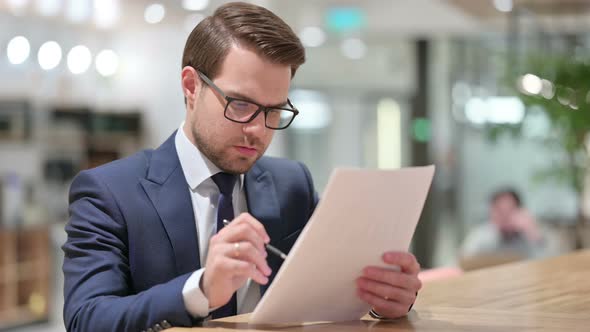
(168, 190)
(263, 204)
(261, 196)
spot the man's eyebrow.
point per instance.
(237, 95)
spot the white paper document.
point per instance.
(362, 214)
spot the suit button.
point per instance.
(165, 324)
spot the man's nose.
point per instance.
(256, 126)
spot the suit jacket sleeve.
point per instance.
(97, 290)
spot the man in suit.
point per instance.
(147, 247)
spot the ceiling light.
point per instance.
(154, 13)
(79, 59)
(195, 4)
(548, 89)
(49, 55)
(107, 63)
(106, 13)
(18, 50)
(531, 84)
(312, 36)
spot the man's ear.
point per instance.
(191, 84)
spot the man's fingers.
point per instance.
(241, 268)
(257, 276)
(406, 261)
(386, 291)
(245, 251)
(246, 218)
(241, 232)
(393, 278)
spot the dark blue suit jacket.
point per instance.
(132, 239)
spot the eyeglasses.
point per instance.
(243, 111)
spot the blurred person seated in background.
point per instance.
(512, 233)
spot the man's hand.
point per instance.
(524, 222)
(391, 292)
(236, 253)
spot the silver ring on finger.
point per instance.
(237, 249)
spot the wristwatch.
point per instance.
(375, 315)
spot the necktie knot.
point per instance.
(225, 182)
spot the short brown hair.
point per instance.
(245, 24)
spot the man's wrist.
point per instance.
(376, 315)
(195, 301)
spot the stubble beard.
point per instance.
(239, 165)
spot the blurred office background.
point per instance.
(483, 89)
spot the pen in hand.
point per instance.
(268, 246)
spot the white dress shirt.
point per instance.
(204, 193)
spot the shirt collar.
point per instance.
(196, 167)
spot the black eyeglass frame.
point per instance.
(261, 108)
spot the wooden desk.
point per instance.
(546, 295)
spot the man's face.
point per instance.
(235, 147)
(502, 210)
